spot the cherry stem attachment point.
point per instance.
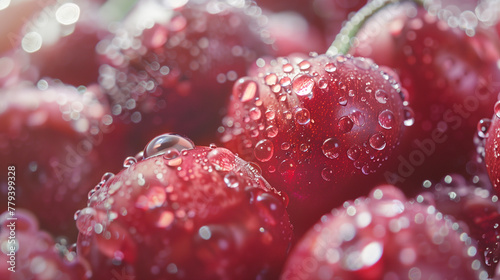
(343, 40)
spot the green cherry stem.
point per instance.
(343, 40)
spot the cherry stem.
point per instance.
(343, 40)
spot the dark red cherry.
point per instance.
(385, 236)
(185, 212)
(316, 126)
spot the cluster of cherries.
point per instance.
(377, 157)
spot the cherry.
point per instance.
(175, 74)
(452, 78)
(473, 204)
(384, 236)
(185, 212)
(53, 135)
(317, 126)
(33, 254)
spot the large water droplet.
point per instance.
(482, 127)
(327, 174)
(377, 141)
(222, 159)
(361, 63)
(386, 119)
(381, 96)
(231, 180)
(255, 113)
(353, 153)
(302, 116)
(129, 161)
(264, 150)
(345, 124)
(271, 79)
(409, 116)
(165, 142)
(304, 65)
(330, 67)
(331, 148)
(85, 220)
(287, 68)
(497, 109)
(245, 89)
(271, 131)
(303, 85)
(358, 118)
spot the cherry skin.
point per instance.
(52, 135)
(185, 212)
(452, 80)
(475, 207)
(35, 254)
(317, 126)
(384, 236)
(176, 74)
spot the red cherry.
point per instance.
(317, 127)
(29, 253)
(185, 213)
(452, 80)
(384, 236)
(175, 74)
(51, 135)
(474, 205)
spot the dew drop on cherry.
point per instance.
(129, 161)
(245, 89)
(287, 68)
(386, 119)
(381, 96)
(165, 142)
(497, 109)
(222, 159)
(330, 67)
(482, 127)
(353, 153)
(409, 116)
(302, 116)
(271, 79)
(304, 65)
(264, 150)
(303, 85)
(255, 113)
(327, 174)
(345, 124)
(377, 141)
(331, 148)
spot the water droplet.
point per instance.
(497, 109)
(358, 118)
(287, 169)
(482, 127)
(165, 142)
(86, 220)
(271, 131)
(271, 79)
(409, 116)
(342, 100)
(341, 58)
(345, 124)
(353, 153)
(165, 219)
(255, 113)
(245, 89)
(377, 141)
(264, 150)
(106, 177)
(231, 180)
(129, 161)
(386, 119)
(222, 159)
(285, 146)
(330, 67)
(302, 116)
(327, 174)
(285, 82)
(270, 114)
(361, 63)
(287, 68)
(304, 65)
(303, 85)
(381, 96)
(322, 83)
(304, 147)
(331, 148)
